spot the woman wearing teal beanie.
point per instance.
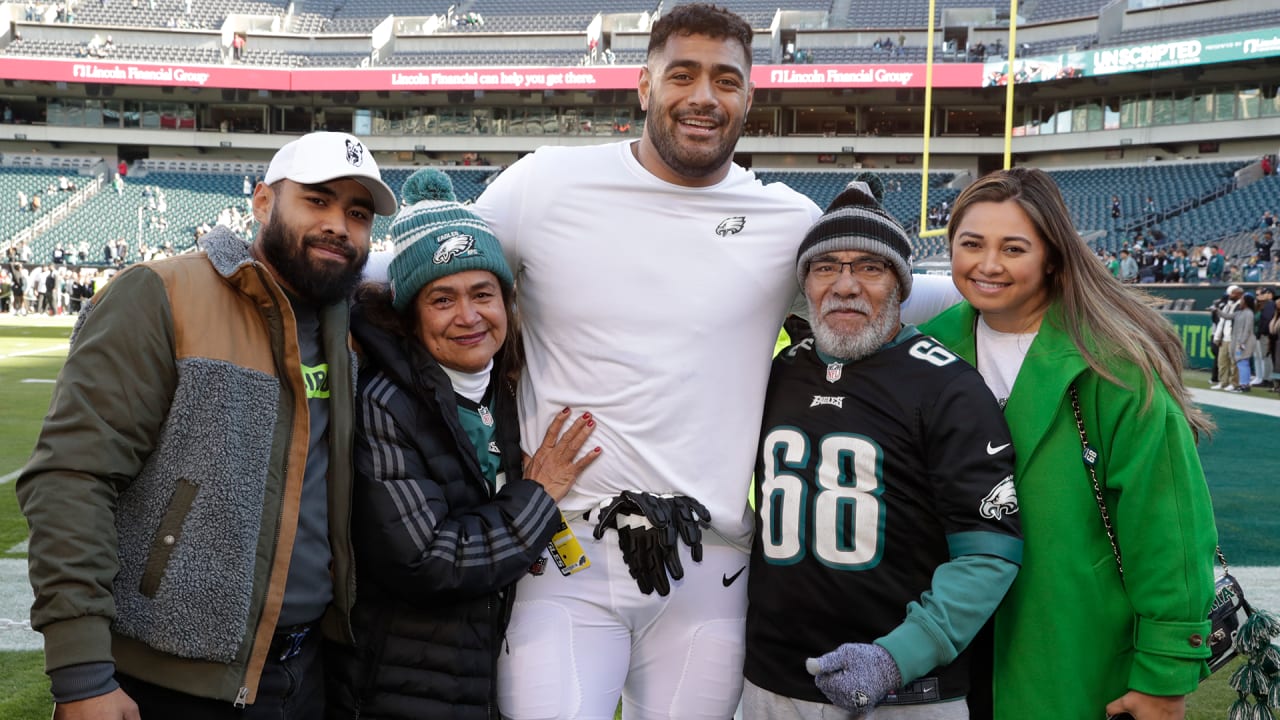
(446, 516)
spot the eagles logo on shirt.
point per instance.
(452, 245)
(1001, 501)
(731, 226)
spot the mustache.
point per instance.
(717, 116)
(831, 304)
(346, 250)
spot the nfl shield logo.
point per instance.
(485, 417)
(834, 371)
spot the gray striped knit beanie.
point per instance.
(856, 221)
(436, 236)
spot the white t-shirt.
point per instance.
(1000, 357)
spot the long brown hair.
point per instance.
(1106, 321)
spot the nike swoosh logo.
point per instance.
(728, 579)
(996, 449)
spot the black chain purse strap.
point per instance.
(1090, 457)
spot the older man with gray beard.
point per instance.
(886, 519)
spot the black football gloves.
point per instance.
(650, 528)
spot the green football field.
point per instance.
(1242, 469)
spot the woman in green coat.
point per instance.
(1072, 640)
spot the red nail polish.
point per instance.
(591, 423)
(598, 449)
(564, 411)
(586, 416)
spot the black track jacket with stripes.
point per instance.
(438, 551)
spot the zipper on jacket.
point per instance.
(491, 708)
(275, 318)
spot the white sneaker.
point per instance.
(1216, 386)
(1229, 388)
(1256, 381)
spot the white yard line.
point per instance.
(1248, 402)
(1261, 586)
(39, 351)
(15, 608)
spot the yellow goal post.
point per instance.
(928, 109)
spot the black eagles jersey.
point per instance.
(870, 475)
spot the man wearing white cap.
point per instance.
(190, 491)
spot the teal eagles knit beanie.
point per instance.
(436, 236)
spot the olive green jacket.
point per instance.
(164, 490)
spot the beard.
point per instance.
(319, 283)
(879, 329)
(691, 162)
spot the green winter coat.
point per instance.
(1070, 637)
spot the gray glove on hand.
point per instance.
(855, 676)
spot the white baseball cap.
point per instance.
(323, 156)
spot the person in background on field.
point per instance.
(1264, 358)
(20, 279)
(1241, 342)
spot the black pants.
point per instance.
(291, 689)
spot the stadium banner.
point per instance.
(1186, 52)
(949, 75)
(140, 73)
(625, 77)
(611, 77)
(1196, 331)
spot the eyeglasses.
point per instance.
(864, 269)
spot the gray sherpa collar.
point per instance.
(227, 251)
